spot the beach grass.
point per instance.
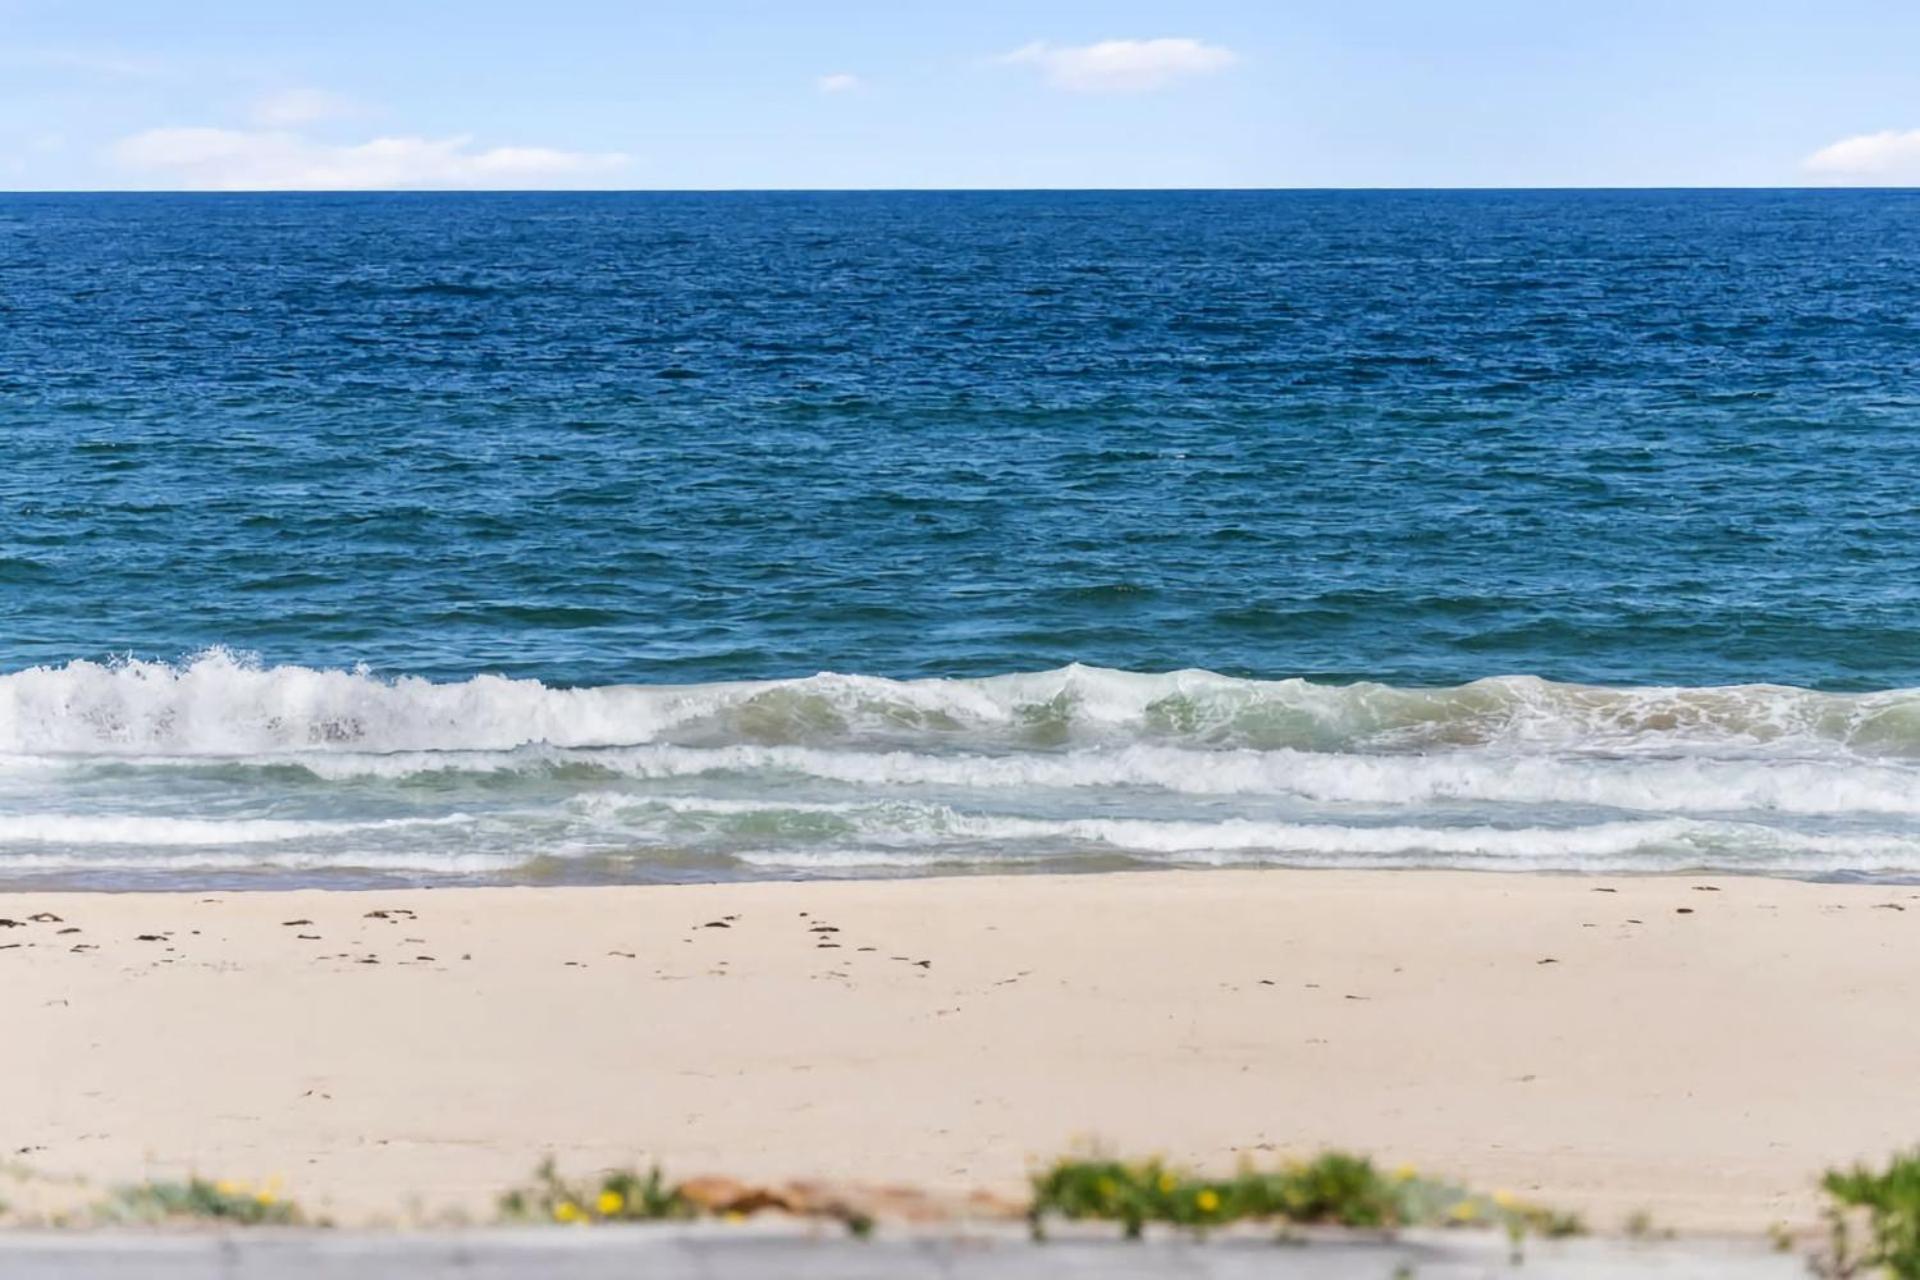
(1332, 1189)
(197, 1199)
(627, 1195)
(623, 1195)
(1887, 1203)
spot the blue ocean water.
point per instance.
(349, 538)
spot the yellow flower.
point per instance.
(1465, 1211)
(1506, 1199)
(1207, 1201)
(265, 1197)
(566, 1211)
(1167, 1183)
(733, 1215)
(1107, 1188)
(228, 1187)
(1405, 1173)
(610, 1203)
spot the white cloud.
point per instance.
(838, 82)
(1123, 66)
(1888, 156)
(107, 65)
(254, 160)
(293, 107)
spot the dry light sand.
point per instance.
(1604, 1045)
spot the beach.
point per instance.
(1694, 1048)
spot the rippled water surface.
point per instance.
(371, 537)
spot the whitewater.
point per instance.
(221, 770)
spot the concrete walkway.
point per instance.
(783, 1253)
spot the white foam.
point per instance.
(1687, 783)
(422, 862)
(156, 765)
(1568, 843)
(853, 861)
(1628, 846)
(219, 704)
(907, 833)
(149, 830)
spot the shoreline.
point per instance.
(1695, 1046)
(1891, 881)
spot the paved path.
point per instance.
(753, 1253)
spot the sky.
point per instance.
(706, 94)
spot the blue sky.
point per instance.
(990, 93)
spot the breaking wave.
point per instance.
(221, 704)
(218, 764)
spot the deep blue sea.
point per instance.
(635, 537)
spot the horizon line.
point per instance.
(938, 190)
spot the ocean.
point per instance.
(537, 538)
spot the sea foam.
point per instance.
(221, 704)
(219, 762)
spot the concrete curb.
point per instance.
(783, 1252)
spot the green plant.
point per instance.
(1332, 1189)
(620, 1195)
(1889, 1200)
(200, 1199)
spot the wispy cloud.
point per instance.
(1123, 66)
(1889, 156)
(839, 82)
(103, 64)
(292, 107)
(271, 160)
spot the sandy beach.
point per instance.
(1698, 1048)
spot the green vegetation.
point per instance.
(1333, 1189)
(202, 1200)
(1889, 1201)
(622, 1195)
(616, 1196)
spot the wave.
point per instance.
(1896, 863)
(914, 826)
(221, 704)
(148, 829)
(131, 772)
(419, 863)
(720, 832)
(1690, 784)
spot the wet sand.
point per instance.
(1698, 1048)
